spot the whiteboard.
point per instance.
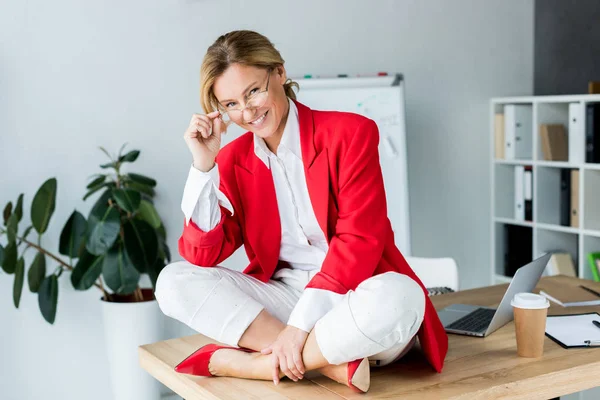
(382, 100)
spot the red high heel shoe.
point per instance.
(359, 375)
(197, 362)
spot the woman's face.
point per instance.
(238, 82)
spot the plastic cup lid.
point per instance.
(529, 301)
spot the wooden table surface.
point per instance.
(475, 368)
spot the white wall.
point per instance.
(75, 75)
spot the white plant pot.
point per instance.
(127, 326)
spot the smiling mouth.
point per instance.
(259, 120)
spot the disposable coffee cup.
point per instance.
(530, 312)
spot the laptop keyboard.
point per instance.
(475, 321)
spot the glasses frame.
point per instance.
(226, 113)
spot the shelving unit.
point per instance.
(548, 233)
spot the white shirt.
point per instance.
(303, 244)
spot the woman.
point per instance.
(302, 190)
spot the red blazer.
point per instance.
(345, 185)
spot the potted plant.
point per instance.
(122, 239)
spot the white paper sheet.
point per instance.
(574, 330)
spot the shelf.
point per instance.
(513, 162)
(549, 227)
(592, 166)
(549, 164)
(512, 221)
(546, 99)
(557, 164)
(557, 228)
(552, 199)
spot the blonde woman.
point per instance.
(326, 288)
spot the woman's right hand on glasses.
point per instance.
(203, 138)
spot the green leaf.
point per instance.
(87, 271)
(155, 269)
(18, 283)
(25, 234)
(12, 227)
(7, 212)
(10, 258)
(43, 204)
(1, 254)
(104, 226)
(100, 179)
(27, 231)
(144, 180)
(140, 187)
(127, 199)
(48, 298)
(93, 190)
(101, 203)
(105, 152)
(119, 273)
(19, 208)
(109, 165)
(162, 233)
(37, 272)
(166, 253)
(141, 243)
(121, 150)
(73, 235)
(148, 213)
(130, 157)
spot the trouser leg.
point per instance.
(218, 302)
(380, 318)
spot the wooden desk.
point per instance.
(475, 368)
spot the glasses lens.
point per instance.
(258, 100)
(225, 117)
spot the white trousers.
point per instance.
(378, 320)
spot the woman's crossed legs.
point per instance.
(378, 320)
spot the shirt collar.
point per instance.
(290, 139)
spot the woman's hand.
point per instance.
(203, 138)
(286, 353)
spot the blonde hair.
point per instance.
(237, 47)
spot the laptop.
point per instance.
(466, 319)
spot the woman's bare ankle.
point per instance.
(338, 373)
(239, 364)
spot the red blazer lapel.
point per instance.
(316, 168)
(263, 228)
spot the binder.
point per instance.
(575, 198)
(519, 193)
(528, 193)
(565, 197)
(592, 133)
(576, 133)
(554, 142)
(518, 127)
(518, 247)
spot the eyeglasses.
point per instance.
(253, 102)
